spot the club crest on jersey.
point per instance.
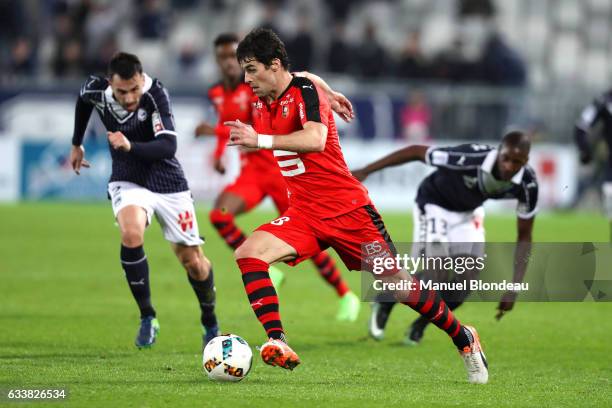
(285, 112)
(142, 115)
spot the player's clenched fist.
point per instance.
(241, 134)
(118, 141)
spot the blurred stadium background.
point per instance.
(438, 71)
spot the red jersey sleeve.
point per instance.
(215, 96)
(313, 106)
(222, 132)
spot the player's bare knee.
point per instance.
(195, 263)
(248, 249)
(132, 237)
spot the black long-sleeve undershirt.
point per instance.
(82, 113)
(163, 147)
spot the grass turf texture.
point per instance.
(67, 320)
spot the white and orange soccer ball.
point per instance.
(227, 358)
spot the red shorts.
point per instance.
(253, 185)
(358, 236)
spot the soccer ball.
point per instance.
(227, 358)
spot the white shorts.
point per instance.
(607, 198)
(440, 232)
(174, 212)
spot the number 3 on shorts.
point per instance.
(280, 221)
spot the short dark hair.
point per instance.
(226, 38)
(517, 139)
(263, 45)
(125, 65)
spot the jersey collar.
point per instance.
(282, 94)
(120, 114)
(148, 82)
(489, 162)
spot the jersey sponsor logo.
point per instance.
(372, 248)
(158, 126)
(242, 100)
(287, 100)
(142, 115)
(185, 220)
(439, 157)
(217, 101)
(301, 110)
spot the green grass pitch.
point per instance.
(67, 320)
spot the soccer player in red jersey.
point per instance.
(328, 207)
(259, 175)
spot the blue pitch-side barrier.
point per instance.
(46, 172)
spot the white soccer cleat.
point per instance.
(475, 360)
(378, 320)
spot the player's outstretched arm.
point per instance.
(338, 102)
(521, 261)
(405, 155)
(311, 138)
(77, 159)
(204, 129)
(82, 112)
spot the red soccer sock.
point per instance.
(262, 295)
(328, 270)
(428, 303)
(226, 227)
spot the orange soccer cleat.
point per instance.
(277, 353)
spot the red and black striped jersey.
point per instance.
(320, 183)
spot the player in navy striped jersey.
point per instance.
(598, 112)
(146, 180)
(449, 209)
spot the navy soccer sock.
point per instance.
(136, 267)
(205, 292)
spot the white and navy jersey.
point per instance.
(464, 180)
(599, 111)
(151, 122)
